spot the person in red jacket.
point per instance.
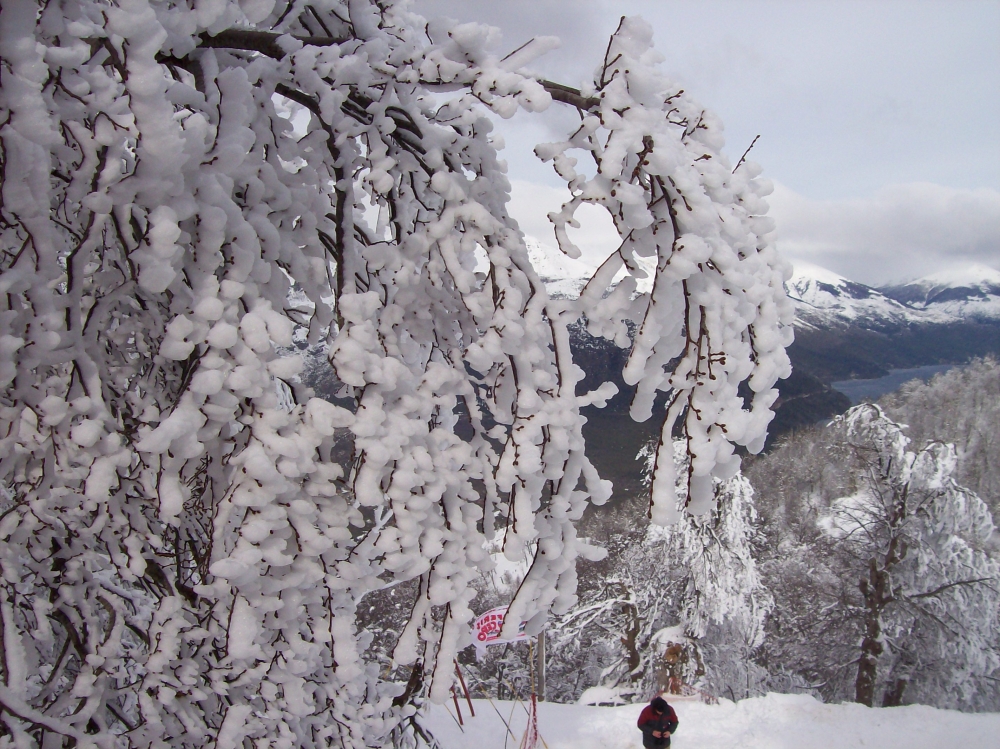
(657, 721)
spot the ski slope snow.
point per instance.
(775, 721)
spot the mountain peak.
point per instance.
(551, 262)
(805, 272)
(823, 297)
(965, 276)
(564, 277)
(967, 291)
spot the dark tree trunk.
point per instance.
(876, 590)
(871, 645)
(631, 642)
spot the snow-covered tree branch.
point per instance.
(188, 187)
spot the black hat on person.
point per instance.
(659, 704)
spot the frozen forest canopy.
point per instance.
(183, 553)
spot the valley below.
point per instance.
(852, 342)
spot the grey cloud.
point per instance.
(900, 233)
(848, 96)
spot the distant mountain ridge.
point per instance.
(967, 292)
(956, 295)
(846, 330)
(824, 299)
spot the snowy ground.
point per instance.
(777, 721)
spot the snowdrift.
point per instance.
(777, 721)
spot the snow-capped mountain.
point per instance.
(969, 292)
(824, 299)
(564, 277)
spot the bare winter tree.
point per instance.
(187, 184)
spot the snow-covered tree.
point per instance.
(712, 553)
(715, 551)
(694, 584)
(606, 640)
(703, 225)
(885, 584)
(183, 556)
(721, 594)
(930, 591)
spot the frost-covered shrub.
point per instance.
(186, 184)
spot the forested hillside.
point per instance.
(961, 406)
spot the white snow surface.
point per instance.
(987, 307)
(775, 721)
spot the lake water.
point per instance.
(859, 390)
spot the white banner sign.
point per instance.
(486, 629)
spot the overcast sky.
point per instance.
(879, 119)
